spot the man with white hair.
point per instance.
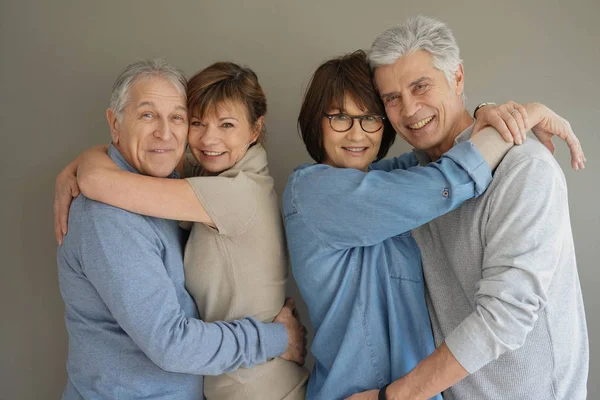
(502, 286)
(130, 321)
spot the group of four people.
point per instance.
(418, 280)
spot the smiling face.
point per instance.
(422, 107)
(354, 148)
(152, 131)
(221, 138)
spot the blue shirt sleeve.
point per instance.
(403, 161)
(125, 266)
(348, 208)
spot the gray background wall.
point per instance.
(60, 58)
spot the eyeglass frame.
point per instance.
(361, 118)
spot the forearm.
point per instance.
(491, 145)
(434, 374)
(71, 168)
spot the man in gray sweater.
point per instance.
(500, 271)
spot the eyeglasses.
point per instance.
(343, 122)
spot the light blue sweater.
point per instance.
(133, 329)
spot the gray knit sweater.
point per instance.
(502, 285)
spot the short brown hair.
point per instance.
(226, 82)
(346, 75)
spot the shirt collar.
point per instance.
(122, 163)
(424, 159)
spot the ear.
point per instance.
(459, 80)
(258, 127)
(113, 123)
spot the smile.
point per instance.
(421, 123)
(212, 153)
(355, 149)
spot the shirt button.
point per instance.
(445, 193)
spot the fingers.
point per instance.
(57, 229)
(290, 303)
(577, 156)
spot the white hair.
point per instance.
(140, 69)
(418, 33)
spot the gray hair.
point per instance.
(418, 33)
(140, 69)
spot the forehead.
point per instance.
(404, 71)
(156, 91)
(349, 105)
(223, 109)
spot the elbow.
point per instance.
(85, 180)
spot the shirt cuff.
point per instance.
(465, 347)
(471, 160)
(276, 339)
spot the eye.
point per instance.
(371, 118)
(391, 100)
(227, 125)
(179, 118)
(147, 115)
(196, 123)
(420, 88)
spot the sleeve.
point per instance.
(404, 161)
(348, 208)
(124, 264)
(523, 239)
(231, 202)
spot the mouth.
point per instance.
(160, 151)
(212, 153)
(420, 124)
(356, 150)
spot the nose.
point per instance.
(211, 135)
(163, 130)
(356, 133)
(410, 106)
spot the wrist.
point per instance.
(480, 106)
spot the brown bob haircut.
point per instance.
(332, 81)
(226, 82)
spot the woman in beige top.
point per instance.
(235, 258)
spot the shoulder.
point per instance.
(532, 159)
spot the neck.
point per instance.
(463, 122)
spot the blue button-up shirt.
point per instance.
(133, 332)
(359, 269)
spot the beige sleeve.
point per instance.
(491, 145)
(231, 202)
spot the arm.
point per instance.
(125, 266)
(102, 180)
(349, 208)
(543, 122)
(524, 239)
(404, 161)
(65, 190)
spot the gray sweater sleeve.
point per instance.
(525, 218)
(121, 256)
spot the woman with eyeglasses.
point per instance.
(348, 225)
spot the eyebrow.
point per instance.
(413, 83)
(151, 104)
(223, 118)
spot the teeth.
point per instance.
(213, 153)
(421, 123)
(159, 151)
(355, 149)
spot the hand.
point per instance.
(547, 124)
(509, 119)
(368, 395)
(65, 190)
(296, 349)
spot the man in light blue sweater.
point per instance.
(134, 331)
(501, 279)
